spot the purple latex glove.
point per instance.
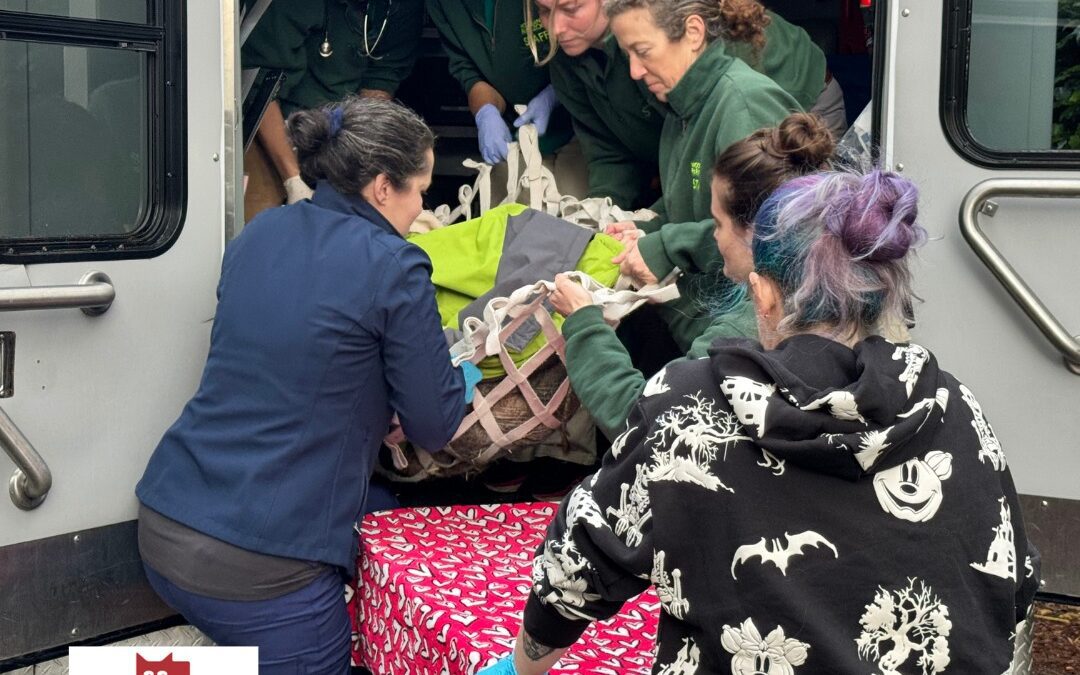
(493, 134)
(504, 666)
(538, 111)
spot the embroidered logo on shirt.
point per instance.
(695, 176)
(539, 32)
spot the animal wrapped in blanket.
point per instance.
(492, 277)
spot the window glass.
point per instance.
(73, 141)
(1024, 78)
(133, 11)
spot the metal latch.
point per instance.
(7, 364)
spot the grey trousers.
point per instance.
(829, 106)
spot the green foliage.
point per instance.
(1066, 128)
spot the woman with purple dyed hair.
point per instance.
(824, 501)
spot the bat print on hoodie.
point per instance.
(810, 509)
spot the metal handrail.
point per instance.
(975, 201)
(32, 479)
(94, 294)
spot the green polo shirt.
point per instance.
(498, 55)
(615, 118)
(289, 34)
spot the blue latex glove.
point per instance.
(504, 667)
(493, 134)
(538, 111)
(472, 378)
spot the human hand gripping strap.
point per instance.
(538, 112)
(501, 318)
(525, 169)
(482, 336)
(493, 134)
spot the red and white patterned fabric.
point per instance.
(441, 590)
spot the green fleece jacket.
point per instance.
(600, 371)
(790, 58)
(616, 120)
(795, 63)
(718, 101)
(499, 56)
(289, 34)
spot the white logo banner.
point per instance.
(164, 660)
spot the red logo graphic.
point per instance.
(165, 666)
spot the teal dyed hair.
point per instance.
(837, 245)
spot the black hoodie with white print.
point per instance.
(811, 509)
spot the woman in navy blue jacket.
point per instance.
(326, 326)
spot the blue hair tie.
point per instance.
(336, 116)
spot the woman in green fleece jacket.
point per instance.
(618, 122)
(600, 370)
(676, 47)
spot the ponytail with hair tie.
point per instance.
(337, 115)
(394, 141)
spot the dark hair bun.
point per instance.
(350, 142)
(805, 140)
(309, 130)
(880, 217)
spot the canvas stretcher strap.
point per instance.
(544, 195)
(503, 316)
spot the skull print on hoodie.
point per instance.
(810, 509)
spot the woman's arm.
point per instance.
(481, 93)
(688, 246)
(598, 552)
(462, 66)
(425, 390)
(276, 142)
(600, 371)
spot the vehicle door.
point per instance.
(979, 103)
(117, 179)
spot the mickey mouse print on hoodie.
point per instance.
(810, 509)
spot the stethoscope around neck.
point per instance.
(326, 49)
